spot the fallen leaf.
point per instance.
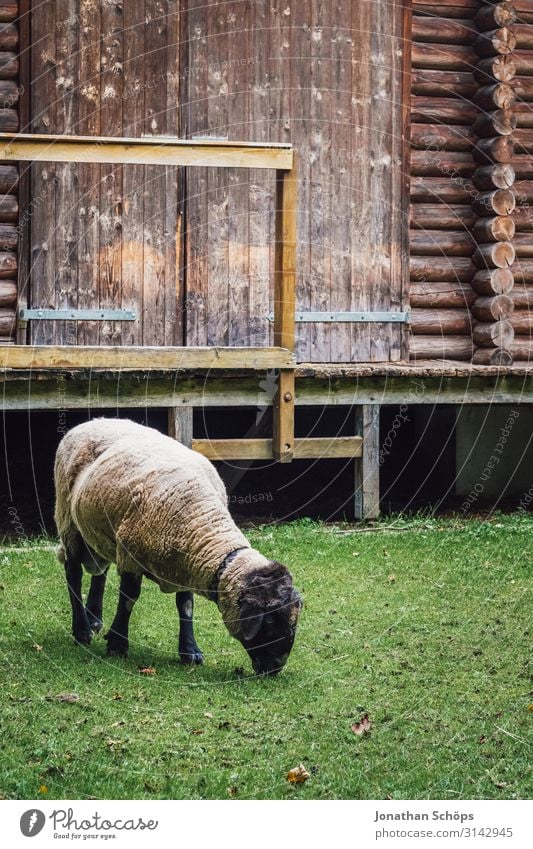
(500, 784)
(530, 708)
(482, 739)
(208, 715)
(37, 647)
(232, 791)
(363, 726)
(43, 789)
(391, 579)
(147, 670)
(117, 697)
(385, 553)
(198, 731)
(71, 698)
(297, 775)
(114, 744)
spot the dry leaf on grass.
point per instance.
(37, 647)
(363, 726)
(297, 775)
(391, 579)
(71, 698)
(147, 670)
(117, 697)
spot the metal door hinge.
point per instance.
(76, 315)
(362, 316)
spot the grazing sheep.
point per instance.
(130, 495)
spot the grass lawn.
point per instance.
(426, 629)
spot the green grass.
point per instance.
(425, 628)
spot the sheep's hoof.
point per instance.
(192, 657)
(116, 646)
(95, 622)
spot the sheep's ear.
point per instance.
(251, 620)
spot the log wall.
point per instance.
(9, 178)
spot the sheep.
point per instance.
(127, 494)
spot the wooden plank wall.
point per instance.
(326, 76)
(9, 206)
(522, 293)
(104, 236)
(442, 165)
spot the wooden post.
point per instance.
(367, 468)
(180, 424)
(284, 308)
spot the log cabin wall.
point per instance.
(103, 236)
(326, 76)
(9, 122)
(522, 293)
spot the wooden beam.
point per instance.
(88, 357)
(367, 468)
(180, 424)
(284, 308)
(324, 448)
(143, 151)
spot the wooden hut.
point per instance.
(334, 193)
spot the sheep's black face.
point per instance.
(269, 610)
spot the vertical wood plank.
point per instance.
(173, 213)
(366, 503)
(180, 424)
(24, 194)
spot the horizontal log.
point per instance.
(497, 96)
(442, 190)
(436, 216)
(439, 322)
(446, 8)
(522, 322)
(488, 177)
(442, 83)
(522, 348)
(8, 293)
(7, 322)
(9, 94)
(495, 42)
(9, 37)
(496, 334)
(501, 228)
(499, 202)
(446, 110)
(522, 298)
(428, 30)
(440, 137)
(8, 209)
(442, 57)
(524, 36)
(524, 115)
(432, 163)
(493, 281)
(9, 120)
(492, 17)
(9, 178)
(523, 141)
(441, 269)
(523, 88)
(495, 255)
(523, 190)
(501, 122)
(523, 60)
(8, 237)
(441, 243)
(8, 265)
(523, 167)
(492, 357)
(523, 218)
(523, 272)
(441, 295)
(9, 66)
(523, 244)
(440, 348)
(493, 308)
(9, 12)
(499, 68)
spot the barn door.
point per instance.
(328, 78)
(105, 237)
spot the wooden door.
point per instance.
(104, 236)
(328, 77)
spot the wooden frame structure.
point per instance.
(207, 153)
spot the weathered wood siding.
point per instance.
(9, 206)
(104, 236)
(326, 76)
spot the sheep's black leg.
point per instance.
(188, 647)
(95, 600)
(117, 636)
(80, 624)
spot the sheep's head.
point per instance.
(269, 607)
